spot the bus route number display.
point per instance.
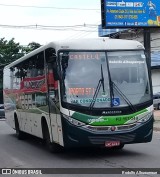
(81, 91)
(84, 56)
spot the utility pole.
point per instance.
(147, 45)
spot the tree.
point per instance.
(34, 45)
(31, 46)
(9, 51)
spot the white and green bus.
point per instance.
(81, 93)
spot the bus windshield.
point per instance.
(83, 72)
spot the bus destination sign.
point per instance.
(130, 13)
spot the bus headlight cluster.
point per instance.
(145, 118)
(73, 121)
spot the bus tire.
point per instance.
(51, 146)
(20, 135)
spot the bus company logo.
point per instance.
(111, 112)
(111, 4)
(113, 128)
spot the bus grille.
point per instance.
(102, 139)
(108, 128)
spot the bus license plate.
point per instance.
(112, 143)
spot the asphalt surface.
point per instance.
(157, 120)
(30, 153)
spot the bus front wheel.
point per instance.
(51, 146)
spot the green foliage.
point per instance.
(31, 46)
(11, 51)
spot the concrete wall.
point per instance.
(156, 80)
(155, 46)
(137, 34)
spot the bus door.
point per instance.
(52, 96)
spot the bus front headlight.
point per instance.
(73, 121)
(146, 117)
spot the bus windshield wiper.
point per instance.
(114, 86)
(100, 83)
(123, 96)
(110, 83)
(102, 79)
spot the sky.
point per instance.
(27, 22)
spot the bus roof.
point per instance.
(101, 43)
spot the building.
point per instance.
(137, 34)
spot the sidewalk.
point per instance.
(157, 120)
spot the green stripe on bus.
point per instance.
(106, 120)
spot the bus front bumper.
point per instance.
(74, 136)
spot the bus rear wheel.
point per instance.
(51, 146)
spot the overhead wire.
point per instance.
(43, 27)
(59, 28)
(74, 36)
(83, 34)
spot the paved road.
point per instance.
(31, 154)
(157, 120)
